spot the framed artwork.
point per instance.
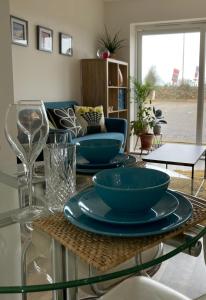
(19, 31)
(44, 39)
(65, 44)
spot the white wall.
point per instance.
(119, 15)
(25, 72)
(41, 75)
(6, 83)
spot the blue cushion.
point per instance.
(60, 104)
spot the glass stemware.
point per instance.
(26, 129)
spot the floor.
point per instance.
(184, 273)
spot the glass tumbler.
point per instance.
(60, 173)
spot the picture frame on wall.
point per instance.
(65, 44)
(19, 31)
(44, 39)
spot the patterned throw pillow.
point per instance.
(64, 119)
(91, 119)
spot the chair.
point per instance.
(144, 288)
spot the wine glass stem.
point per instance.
(29, 182)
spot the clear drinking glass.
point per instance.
(60, 170)
(26, 129)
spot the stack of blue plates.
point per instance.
(86, 167)
(88, 211)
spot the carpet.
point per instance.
(181, 180)
(188, 173)
(185, 184)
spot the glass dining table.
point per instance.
(46, 256)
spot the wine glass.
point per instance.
(26, 129)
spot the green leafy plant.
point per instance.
(145, 118)
(112, 43)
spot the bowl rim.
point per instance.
(116, 143)
(128, 189)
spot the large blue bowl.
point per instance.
(99, 150)
(131, 189)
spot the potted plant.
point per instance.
(111, 43)
(159, 119)
(145, 118)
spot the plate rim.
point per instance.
(102, 219)
(138, 234)
(95, 170)
(100, 166)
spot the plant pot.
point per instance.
(140, 131)
(112, 55)
(146, 141)
(157, 129)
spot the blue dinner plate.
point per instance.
(75, 215)
(82, 163)
(93, 206)
(129, 161)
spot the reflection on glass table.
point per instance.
(38, 261)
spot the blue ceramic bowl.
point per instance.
(131, 189)
(99, 150)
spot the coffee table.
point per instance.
(177, 154)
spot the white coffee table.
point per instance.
(177, 154)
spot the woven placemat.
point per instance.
(104, 252)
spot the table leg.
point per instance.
(205, 166)
(166, 165)
(204, 247)
(25, 247)
(57, 268)
(70, 273)
(192, 171)
(136, 143)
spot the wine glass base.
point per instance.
(30, 213)
(23, 215)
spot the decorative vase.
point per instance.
(103, 53)
(120, 77)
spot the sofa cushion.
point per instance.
(64, 119)
(102, 135)
(90, 118)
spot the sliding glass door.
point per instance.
(173, 60)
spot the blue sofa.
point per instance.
(116, 127)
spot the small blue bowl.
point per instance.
(99, 150)
(131, 189)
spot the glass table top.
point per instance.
(32, 260)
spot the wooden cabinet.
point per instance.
(105, 82)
